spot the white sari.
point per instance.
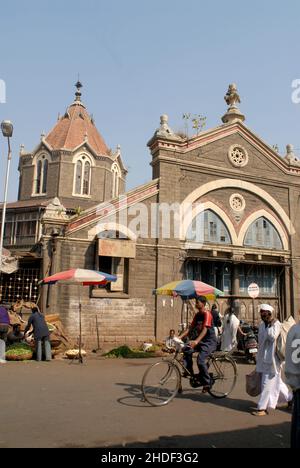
(230, 328)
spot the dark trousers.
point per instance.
(295, 434)
(205, 350)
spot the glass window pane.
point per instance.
(78, 177)
(45, 175)
(210, 228)
(262, 233)
(38, 177)
(86, 178)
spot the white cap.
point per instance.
(267, 307)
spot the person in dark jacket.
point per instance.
(40, 332)
(4, 327)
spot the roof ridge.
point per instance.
(72, 118)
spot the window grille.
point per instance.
(22, 284)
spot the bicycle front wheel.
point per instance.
(160, 383)
(223, 371)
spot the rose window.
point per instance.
(238, 156)
(237, 202)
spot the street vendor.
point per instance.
(41, 333)
(15, 336)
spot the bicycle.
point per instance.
(162, 381)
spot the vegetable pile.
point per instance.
(18, 352)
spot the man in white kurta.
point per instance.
(274, 390)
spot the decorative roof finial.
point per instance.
(78, 92)
(290, 155)
(164, 131)
(232, 98)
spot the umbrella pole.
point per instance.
(80, 344)
(182, 317)
(187, 314)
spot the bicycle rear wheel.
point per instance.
(160, 383)
(223, 371)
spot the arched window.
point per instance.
(116, 180)
(263, 234)
(207, 227)
(82, 176)
(41, 175)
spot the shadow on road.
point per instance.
(135, 398)
(273, 436)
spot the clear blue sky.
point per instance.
(138, 59)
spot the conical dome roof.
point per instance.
(76, 127)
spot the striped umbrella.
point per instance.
(188, 289)
(80, 277)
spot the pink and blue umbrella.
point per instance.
(189, 289)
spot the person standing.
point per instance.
(274, 390)
(40, 332)
(217, 321)
(292, 373)
(231, 326)
(4, 327)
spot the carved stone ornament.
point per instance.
(237, 202)
(232, 99)
(238, 156)
(55, 210)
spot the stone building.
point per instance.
(228, 201)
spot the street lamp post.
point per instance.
(7, 131)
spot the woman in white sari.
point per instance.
(231, 325)
(274, 390)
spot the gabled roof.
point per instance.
(75, 127)
(217, 133)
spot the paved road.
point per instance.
(98, 405)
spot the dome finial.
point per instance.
(78, 92)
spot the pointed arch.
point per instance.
(83, 164)
(263, 214)
(242, 185)
(209, 206)
(41, 167)
(116, 173)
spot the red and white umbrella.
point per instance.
(80, 277)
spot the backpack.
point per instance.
(281, 340)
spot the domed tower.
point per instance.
(72, 162)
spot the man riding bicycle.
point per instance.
(202, 338)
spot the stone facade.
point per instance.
(227, 172)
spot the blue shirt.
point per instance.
(40, 328)
(4, 317)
